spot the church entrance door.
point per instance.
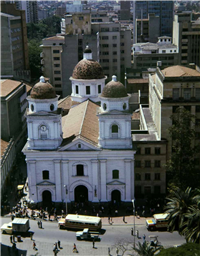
(81, 194)
(46, 199)
(116, 196)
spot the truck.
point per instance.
(17, 226)
(86, 235)
(159, 221)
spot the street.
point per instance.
(46, 237)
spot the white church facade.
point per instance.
(86, 154)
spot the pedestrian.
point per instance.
(108, 251)
(123, 218)
(34, 245)
(56, 246)
(75, 249)
(40, 224)
(93, 242)
(137, 232)
(144, 238)
(132, 231)
(11, 239)
(59, 244)
(31, 235)
(117, 251)
(49, 216)
(109, 219)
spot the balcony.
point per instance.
(41, 55)
(42, 61)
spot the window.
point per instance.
(147, 190)
(105, 68)
(124, 106)
(114, 60)
(198, 93)
(147, 163)
(122, 36)
(105, 53)
(114, 37)
(105, 37)
(32, 107)
(138, 152)
(105, 45)
(99, 88)
(76, 89)
(79, 145)
(115, 174)
(114, 131)
(57, 79)
(163, 51)
(80, 170)
(157, 176)
(114, 53)
(56, 65)
(105, 60)
(156, 189)
(87, 90)
(147, 176)
(51, 107)
(138, 190)
(122, 51)
(157, 163)
(115, 29)
(157, 151)
(114, 45)
(175, 94)
(58, 85)
(56, 58)
(104, 106)
(56, 72)
(198, 109)
(104, 29)
(122, 44)
(137, 176)
(147, 151)
(56, 51)
(45, 175)
(187, 93)
(137, 164)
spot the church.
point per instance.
(85, 154)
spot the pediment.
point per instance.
(45, 183)
(115, 182)
(79, 144)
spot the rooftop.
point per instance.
(180, 71)
(4, 145)
(8, 86)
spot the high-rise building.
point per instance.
(186, 35)
(14, 46)
(31, 10)
(163, 9)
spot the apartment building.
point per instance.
(169, 89)
(31, 10)
(115, 48)
(124, 13)
(146, 55)
(186, 35)
(52, 62)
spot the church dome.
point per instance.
(114, 89)
(43, 90)
(88, 69)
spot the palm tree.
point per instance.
(177, 206)
(145, 249)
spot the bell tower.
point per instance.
(43, 117)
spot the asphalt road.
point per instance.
(46, 237)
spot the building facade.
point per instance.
(89, 150)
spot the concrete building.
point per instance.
(148, 30)
(186, 35)
(146, 55)
(99, 16)
(124, 13)
(169, 89)
(31, 10)
(52, 61)
(14, 47)
(90, 147)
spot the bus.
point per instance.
(75, 221)
(159, 221)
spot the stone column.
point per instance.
(32, 180)
(57, 173)
(95, 183)
(103, 180)
(65, 180)
(30, 129)
(128, 179)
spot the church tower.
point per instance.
(88, 79)
(43, 117)
(114, 117)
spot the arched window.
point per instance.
(45, 175)
(80, 170)
(99, 88)
(115, 174)
(115, 131)
(76, 89)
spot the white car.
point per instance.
(7, 228)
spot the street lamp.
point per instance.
(66, 192)
(133, 201)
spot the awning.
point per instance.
(20, 187)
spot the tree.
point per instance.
(145, 249)
(181, 167)
(177, 206)
(34, 58)
(188, 249)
